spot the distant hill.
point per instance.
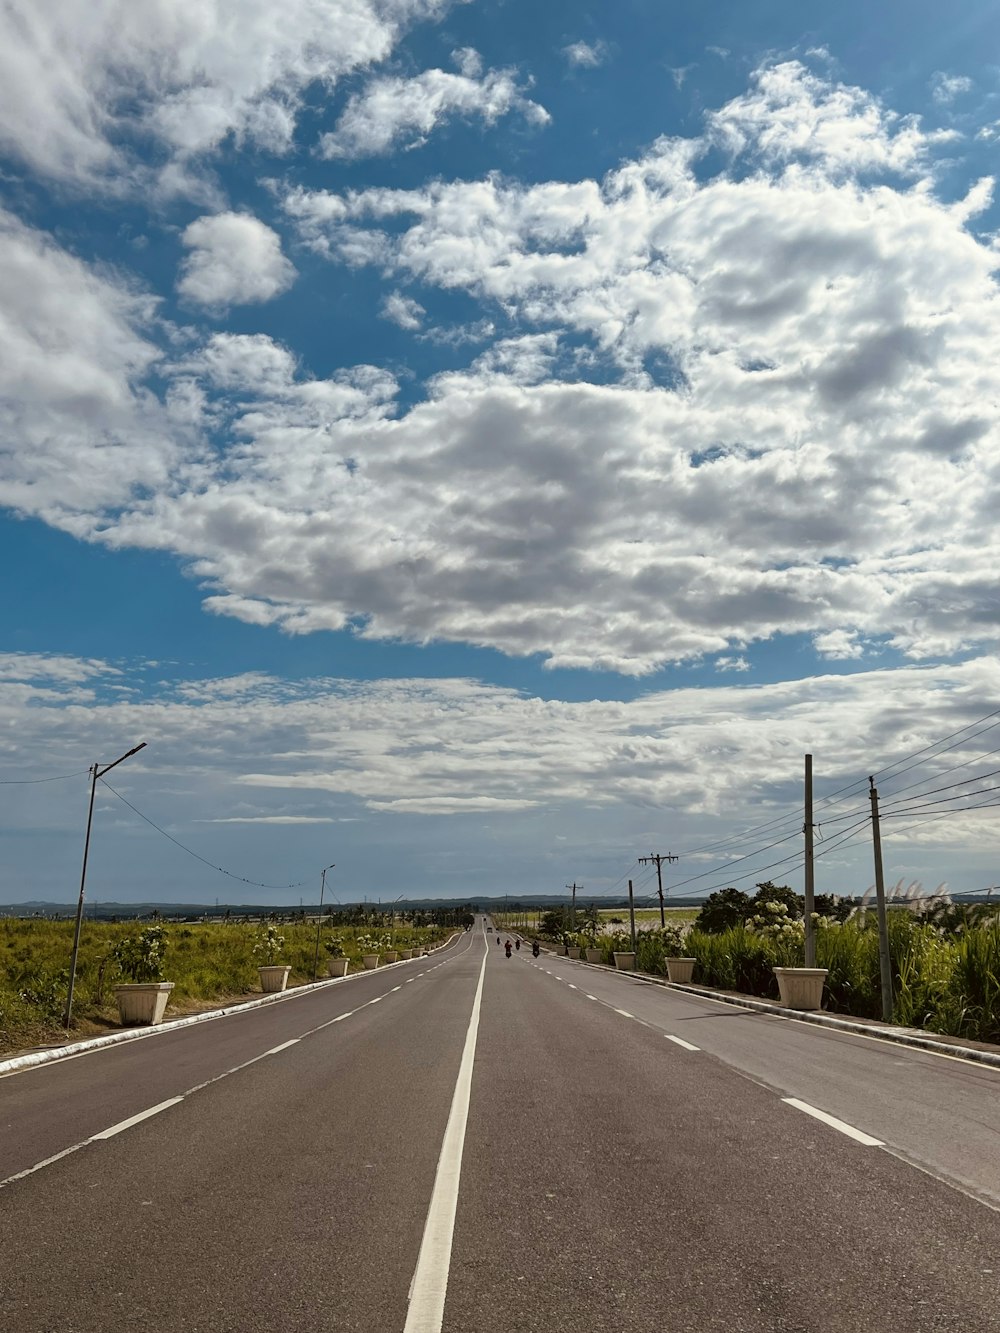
(104, 911)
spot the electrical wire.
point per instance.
(33, 782)
(197, 856)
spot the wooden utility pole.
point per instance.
(657, 860)
(884, 961)
(631, 913)
(572, 911)
(810, 884)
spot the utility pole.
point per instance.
(631, 913)
(884, 962)
(319, 917)
(657, 860)
(572, 911)
(810, 884)
(95, 773)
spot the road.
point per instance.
(466, 1142)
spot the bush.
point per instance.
(723, 910)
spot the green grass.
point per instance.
(207, 962)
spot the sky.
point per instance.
(481, 444)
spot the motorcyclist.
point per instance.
(517, 945)
(507, 948)
(535, 951)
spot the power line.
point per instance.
(33, 782)
(197, 856)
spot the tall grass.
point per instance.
(205, 961)
(945, 984)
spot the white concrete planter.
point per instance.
(561, 951)
(405, 953)
(370, 961)
(336, 967)
(625, 962)
(572, 951)
(273, 978)
(801, 987)
(143, 1002)
(680, 970)
(594, 955)
(391, 955)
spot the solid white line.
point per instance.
(624, 1013)
(430, 1278)
(134, 1119)
(284, 1046)
(834, 1123)
(681, 1042)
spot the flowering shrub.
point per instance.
(372, 944)
(268, 946)
(333, 946)
(140, 957)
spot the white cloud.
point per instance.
(732, 664)
(586, 55)
(78, 430)
(308, 752)
(235, 259)
(722, 407)
(838, 645)
(403, 310)
(791, 114)
(946, 87)
(80, 83)
(394, 111)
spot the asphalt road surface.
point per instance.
(469, 1143)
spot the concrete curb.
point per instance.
(36, 1058)
(902, 1036)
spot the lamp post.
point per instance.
(392, 920)
(95, 773)
(319, 919)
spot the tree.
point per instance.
(722, 910)
(778, 893)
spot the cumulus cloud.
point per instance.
(80, 84)
(946, 87)
(393, 112)
(403, 310)
(586, 55)
(717, 406)
(235, 259)
(78, 428)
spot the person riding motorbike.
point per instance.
(535, 951)
(507, 948)
(517, 945)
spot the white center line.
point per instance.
(284, 1046)
(681, 1042)
(624, 1013)
(858, 1135)
(134, 1119)
(593, 997)
(571, 986)
(430, 1279)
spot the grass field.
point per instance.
(209, 963)
(650, 914)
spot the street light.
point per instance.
(319, 919)
(95, 773)
(392, 920)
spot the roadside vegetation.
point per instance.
(945, 960)
(210, 963)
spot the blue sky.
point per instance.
(483, 443)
